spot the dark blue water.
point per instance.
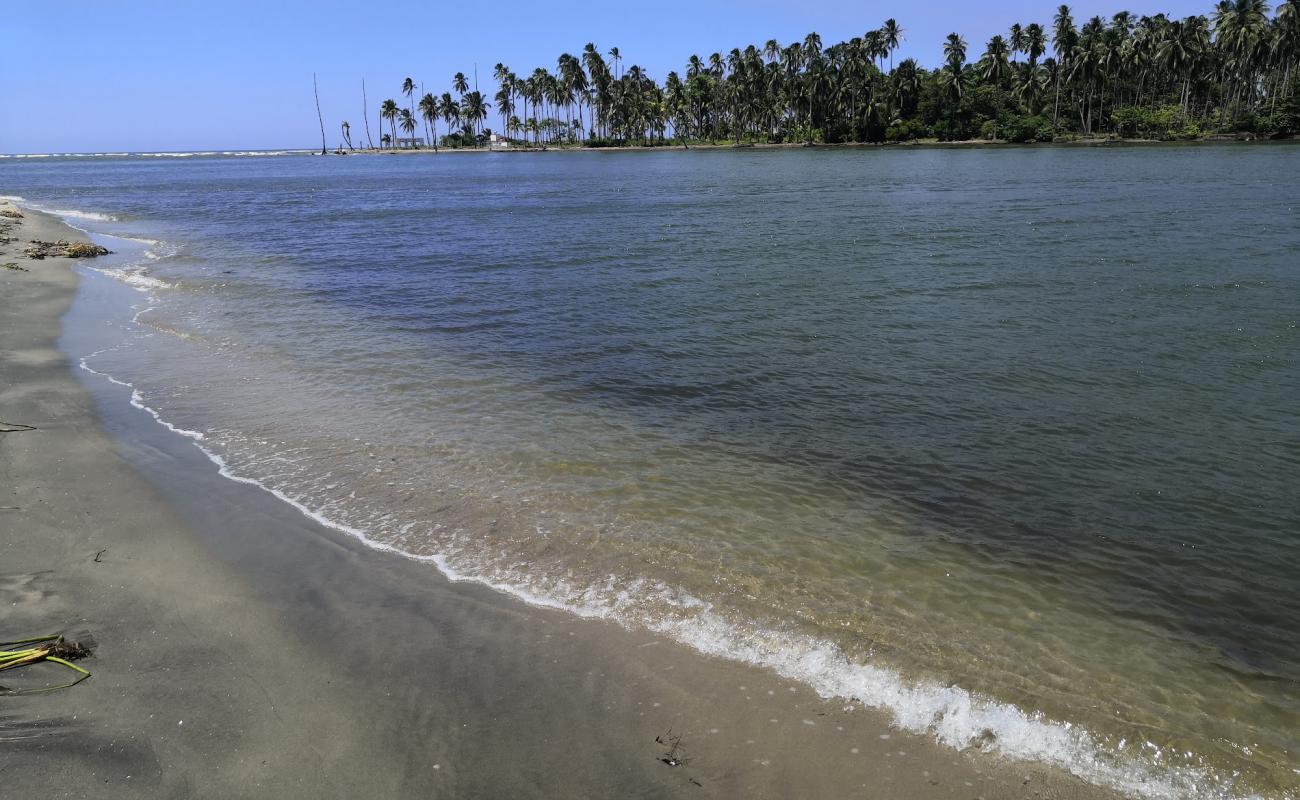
(1021, 421)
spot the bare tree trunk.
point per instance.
(318, 114)
(365, 114)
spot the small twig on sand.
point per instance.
(12, 427)
(674, 757)
(100, 553)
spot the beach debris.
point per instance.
(64, 249)
(674, 757)
(7, 225)
(41, 649)
(96, 559)
(13, 266)
(9, 210)
(13, 427)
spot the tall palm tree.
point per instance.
(505, 101)
(429, 111)
(1035, 43)
(365, 116)
(873, 42)
(1064, 38)
(505, 82)
(459, 83)
(893, 37)
(474, 109)
(952, 78)
(450, 111)
(408, 89)
(1016, 40)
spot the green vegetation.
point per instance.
(1232, 72)
(42, 649)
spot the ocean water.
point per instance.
(1005, 441)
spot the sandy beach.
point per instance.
(244, 650)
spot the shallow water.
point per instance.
(1003, 440)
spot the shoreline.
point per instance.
(915, 143)
(1217, 139)
(291, 628)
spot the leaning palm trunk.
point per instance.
(365, 115)
(316, 93)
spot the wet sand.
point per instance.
(246, 651)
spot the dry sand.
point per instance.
(246, 651)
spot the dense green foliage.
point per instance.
(1151, 77)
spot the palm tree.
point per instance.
(1035, 43)
(873, 42)
(1016, 40)
(429, 111)
(506, 102)
(1064, 37)
(1029, 90)
(1286, 46)
(907, 86)
(474, 109)
(893, 37)
(450, 111)
(347, 134)
(408, 89)
(504, 99)
(952, 77)
(408, 122)
(995, 65)
(1178, 52)
(388, 111)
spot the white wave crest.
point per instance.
(75, 214)
(135, 278)
(949, 714)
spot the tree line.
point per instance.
(1231, 71)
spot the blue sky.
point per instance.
(96, 76)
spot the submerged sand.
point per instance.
(247, 651)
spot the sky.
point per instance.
(149, 75)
